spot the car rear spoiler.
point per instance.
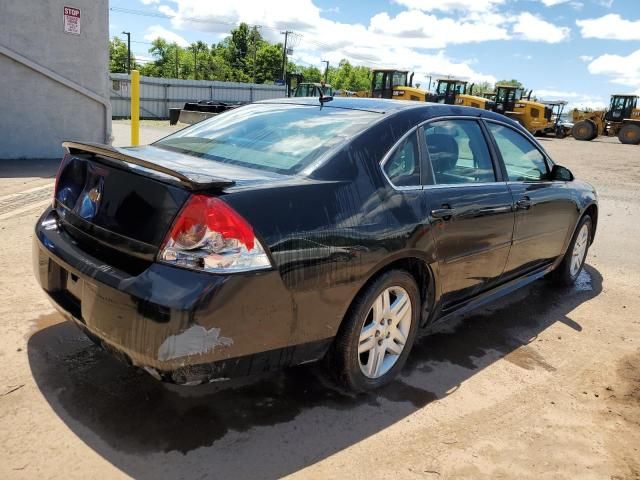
(113, 156)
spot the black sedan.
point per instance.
(285, 232)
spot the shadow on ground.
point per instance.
(274, 425)
(29, 168)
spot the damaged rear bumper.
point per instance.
(181, 326)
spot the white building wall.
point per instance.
(54, 86)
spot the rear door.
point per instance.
(545, 210)
(470, 207)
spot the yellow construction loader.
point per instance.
(452, 91)
(389, 83)
(622, 119)
(536, 117)
(395, 84)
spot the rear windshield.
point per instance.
(282, 138)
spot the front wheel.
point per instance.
(629, 134)
(584, 130)
(567, 272)
(378, 332)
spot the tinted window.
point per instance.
(403, 167)
(276, 137)
(458, 152)
(523, 160)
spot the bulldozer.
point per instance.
(389, 83)
(395, 84)
(536, 117)
(622, 119)
(452, 91)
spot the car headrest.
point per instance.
(443, 151)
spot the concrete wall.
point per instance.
(54, 86)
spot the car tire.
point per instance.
(569, 269)
(371, 322)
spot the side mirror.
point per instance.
(562, 174)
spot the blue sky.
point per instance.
(579, 50)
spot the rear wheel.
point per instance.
(584, 130)
(561, 133)
(567, 272)
(378, 332)
(629, 134)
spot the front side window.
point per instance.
(403, 167)
(378, 81)
(458, 152)
(399, 79)
(523, 161)
(275, 137)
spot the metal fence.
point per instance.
(158, 95)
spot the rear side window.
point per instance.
(458, 152)
(522, 159)
(403, 167)
(282, 138)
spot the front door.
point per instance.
(545, 209)
(470, 208)
(382, 87)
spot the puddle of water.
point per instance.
(583, 282)
(527, 358)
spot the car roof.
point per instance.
(387, 106)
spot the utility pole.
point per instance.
(128, 34)
(177, 62)
(255, 48)
(195, 61)
(284, 55)
(326, 70)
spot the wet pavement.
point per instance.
(133, 413)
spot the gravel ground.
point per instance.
(544, 384)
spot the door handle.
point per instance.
(524, 203)
(444, 213)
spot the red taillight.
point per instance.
(209, 235)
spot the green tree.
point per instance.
(348, 77)
(482, 87)
(511, 83)
(268, 62)
(200, 52)
(118, 56)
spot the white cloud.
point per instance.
(531, 27)
(623, 70)
(575, 99)
(551, 3)
(451, 5)
(435, 32)
(156, 31)
(586, 58)
(373, 45)
(610, 27)
(149, 2)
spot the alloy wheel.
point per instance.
(579, 250)
(385, 332)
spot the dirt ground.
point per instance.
(544, 384)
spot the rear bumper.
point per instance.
(183, 326)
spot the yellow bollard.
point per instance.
(135, 107)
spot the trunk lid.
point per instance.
(116, 201)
